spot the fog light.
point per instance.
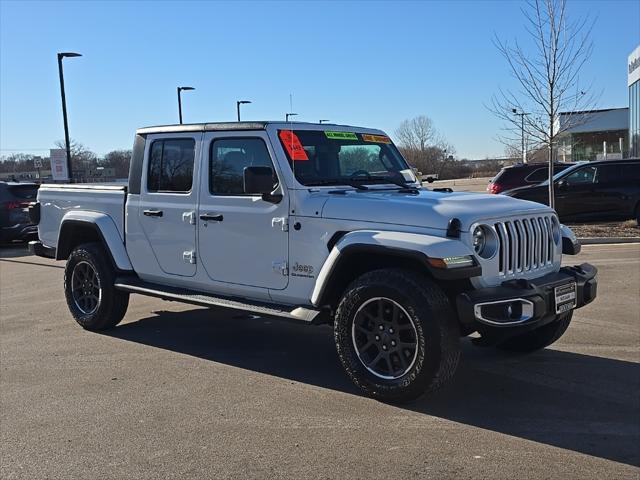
(504, 312)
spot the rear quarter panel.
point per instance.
(58, 200)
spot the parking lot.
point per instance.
(178, 391)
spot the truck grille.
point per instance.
(525, 244)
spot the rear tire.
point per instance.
(539, 338)
(406, 322)
(89, 278)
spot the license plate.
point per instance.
(565, 297)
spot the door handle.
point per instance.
(212, 217)
(153, 213)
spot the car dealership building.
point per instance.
(606, 134)
(633, 80)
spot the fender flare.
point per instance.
(106, 229)
(419, 247)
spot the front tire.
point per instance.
(396, 335)
(89, 279)
(540, 337)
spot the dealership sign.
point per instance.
(634, 67)
(58, 158)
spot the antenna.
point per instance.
(293, 162)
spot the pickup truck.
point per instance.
(318, 224)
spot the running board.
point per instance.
(135, 285)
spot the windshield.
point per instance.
(562, 173)
(343, 158)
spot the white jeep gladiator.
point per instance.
(316, 224)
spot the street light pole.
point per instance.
(67, 145)
(180, 89)
(238, 103)
(322, 121)
(522, 115)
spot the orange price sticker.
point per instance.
(292, 145)
(375, 138)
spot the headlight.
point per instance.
(485, 242)
(479, 239)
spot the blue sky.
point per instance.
(361, 63)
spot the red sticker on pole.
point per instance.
(292, 145)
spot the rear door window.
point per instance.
(539, 175)
(608, 174)
(171, 165)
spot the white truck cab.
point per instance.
(322, 224)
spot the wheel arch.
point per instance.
(95, 227)
(356, 253)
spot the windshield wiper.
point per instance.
(393, 180)
(336, 181)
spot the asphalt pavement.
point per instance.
(177, 391)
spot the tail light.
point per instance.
(14, 205)
(493, 188)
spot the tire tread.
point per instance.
(114, 303)
(431, 302)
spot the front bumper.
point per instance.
(533, 301)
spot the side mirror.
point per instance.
(260, 181)
(562, 184)
(430, 179)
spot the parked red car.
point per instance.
(521, 175)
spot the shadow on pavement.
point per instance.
(9, 252)
(578, 402)
(12, 250)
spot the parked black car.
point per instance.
(522, 174)
(15, 199)
(602, 190)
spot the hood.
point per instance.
(425, 209)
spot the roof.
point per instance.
(234, 126)
(607, 162)
(609, 119)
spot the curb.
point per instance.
(607, 240)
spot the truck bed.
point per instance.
(56, 200)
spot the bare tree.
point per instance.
(82, 159)
(417, 133)
(547, 76)
(119, 161)
(422, 146)
(17, 162)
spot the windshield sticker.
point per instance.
(375, 138)
(341, 135)
(292, 145)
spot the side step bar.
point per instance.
(135, 285)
